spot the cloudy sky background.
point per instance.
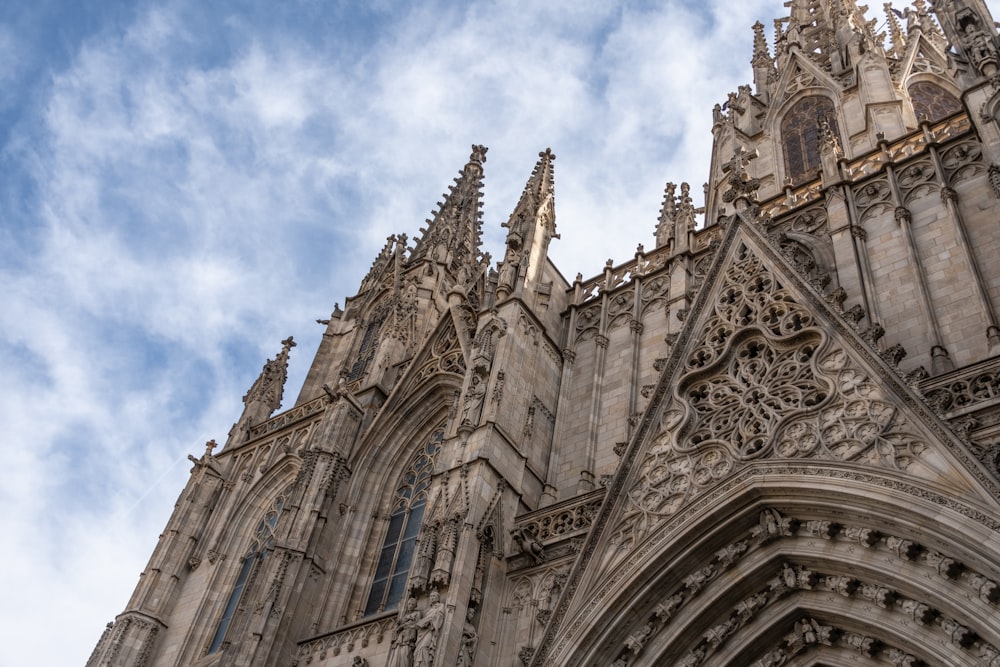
(183, 186)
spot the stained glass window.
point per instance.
(931, 102)
(262, 539)
(800, 136)
(389, 585)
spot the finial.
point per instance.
(478, 153)
(761, 56)
(288, 343)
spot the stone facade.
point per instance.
(772, 439)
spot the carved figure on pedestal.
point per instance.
(508, 271)
(470, 640)
(405, 636)
(428, 629)
(525, 538)
(474, 401)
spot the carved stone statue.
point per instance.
(474, 401)
(404, 636)
(428, 629)
(470, 640)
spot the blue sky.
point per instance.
(184, 184)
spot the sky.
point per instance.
(184, 184)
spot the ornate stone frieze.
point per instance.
(762, 383)
(563, 519)
(288, 417)
(445, 356)
(344, 640)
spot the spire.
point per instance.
(384, 261)
(763, 64)
(896, 34)
(668, 212)
(264, 396)
(454, 233)
(530, 227)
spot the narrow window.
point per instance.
(262, 540)
(800, 136)
(396, 555)
(369, 344)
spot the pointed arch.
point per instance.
(405, 518)
(261, 541)
(800, 135)
(773, 568)
(932, 102)
(248, 532)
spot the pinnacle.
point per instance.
(453, 233)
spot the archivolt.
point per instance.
(781, 574)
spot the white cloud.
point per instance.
(202, 190)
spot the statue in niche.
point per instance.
(470, 640)
(474, 400)
(404, 636)
(428, 629)
(508, 270)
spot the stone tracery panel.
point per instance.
(765, 382)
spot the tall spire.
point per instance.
(264, 396)
(763, 63)
(896, 35)
(530, 228)
(454, 233)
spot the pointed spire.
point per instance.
(382, 262)
(454, 233)
(896, 35)
(761, 55)
(264, 396)
(668, 212)
(530, 227)
(763, 64)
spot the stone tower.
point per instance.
(773, 439)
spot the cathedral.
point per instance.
(772, 437)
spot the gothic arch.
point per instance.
(798, 132)
(380, 464)
(228, 549)
(932, 99)
(863, 559)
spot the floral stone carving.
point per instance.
(764, 381)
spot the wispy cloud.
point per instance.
(191, 185)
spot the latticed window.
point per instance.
(931, 102)
(369, 344)
(800, 135)
(407, 512)
(263, 538)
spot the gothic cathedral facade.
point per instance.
(771, 439)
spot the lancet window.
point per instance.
(263, 538)
(369, 344)
(800, 135)
(931, 102)
(405, 517)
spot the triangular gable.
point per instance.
(764, 371)
(923, 57)
(799, 73)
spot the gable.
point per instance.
(768, 393)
